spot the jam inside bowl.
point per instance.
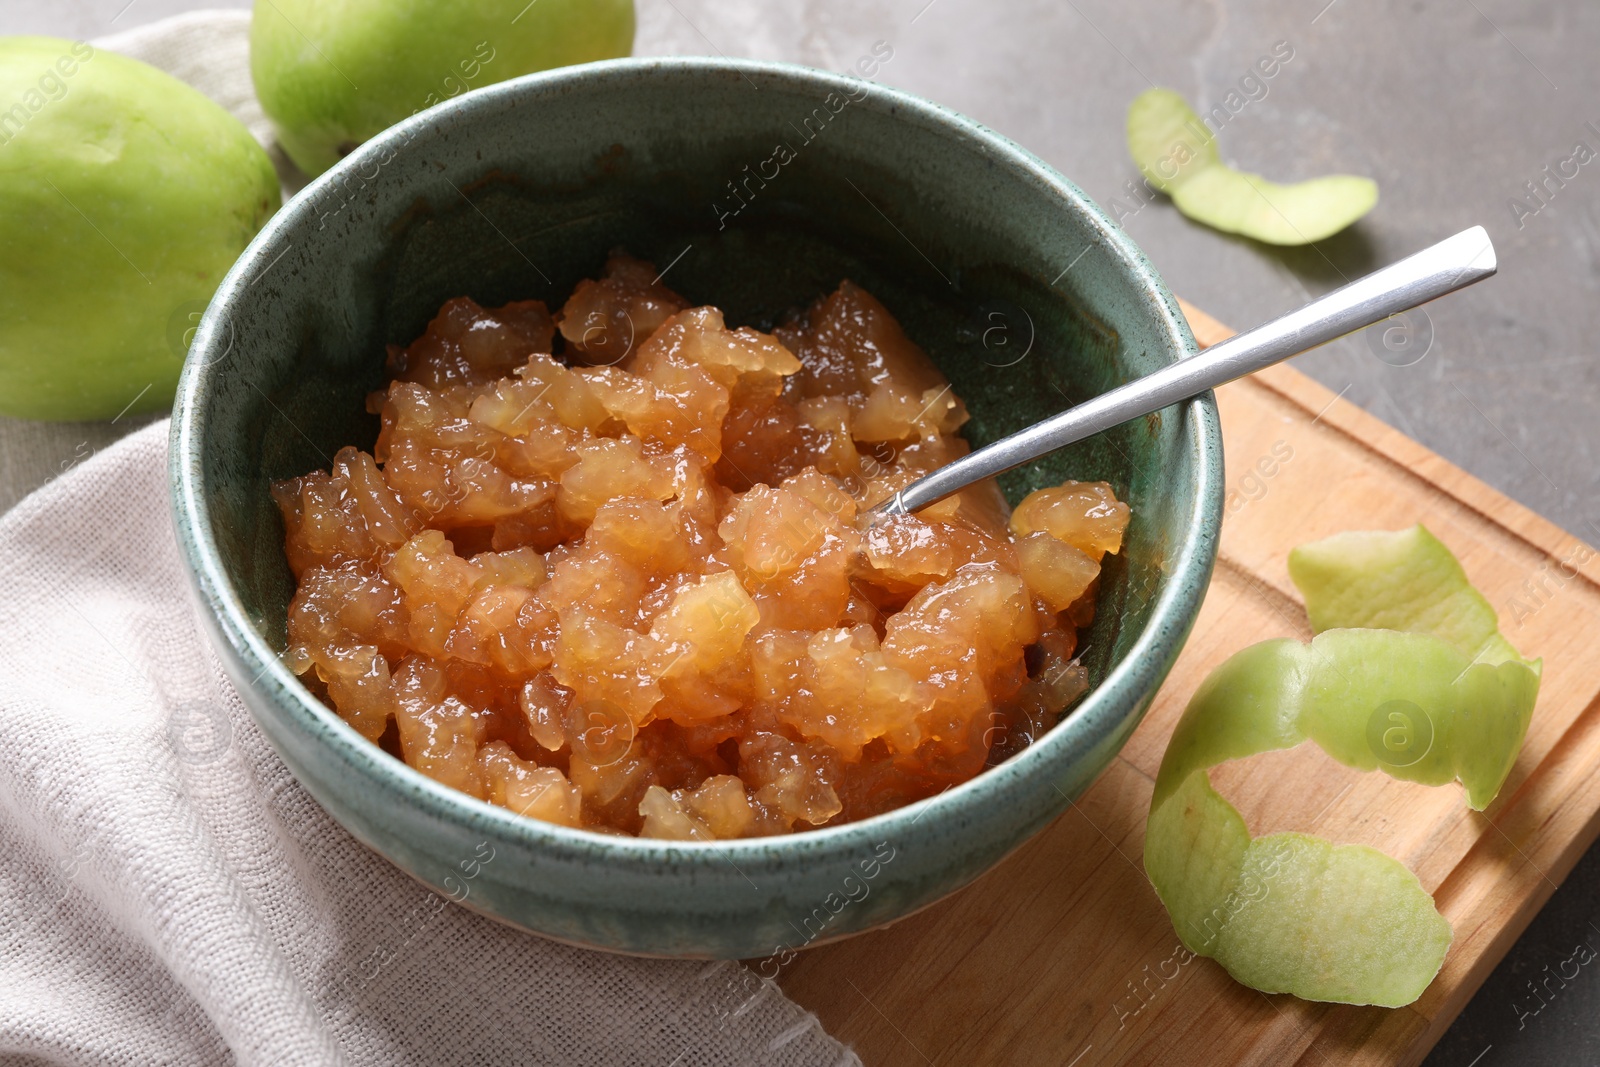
(755, 188)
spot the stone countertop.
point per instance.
(1456, 107)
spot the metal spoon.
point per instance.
(1451, 264)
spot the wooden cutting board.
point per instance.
(1063, 955)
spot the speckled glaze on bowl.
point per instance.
(1018, 286)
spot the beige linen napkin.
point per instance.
(169, 894)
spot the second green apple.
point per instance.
(331, 73)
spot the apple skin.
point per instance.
(331, 73)
(125, 196)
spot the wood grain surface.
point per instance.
(1063, 954)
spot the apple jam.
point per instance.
(611, 568)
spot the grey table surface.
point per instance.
(1462, 110)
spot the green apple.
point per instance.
(125, 196)
(331, 73)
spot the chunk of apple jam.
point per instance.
(611, 568)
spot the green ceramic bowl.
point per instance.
(757, 186)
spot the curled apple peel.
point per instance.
(1408, 674)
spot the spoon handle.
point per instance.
(1451, 264)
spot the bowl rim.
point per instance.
(1139, 672)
